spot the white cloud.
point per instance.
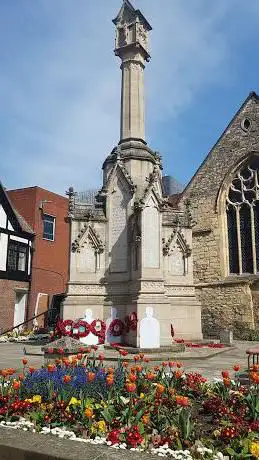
(60, 86)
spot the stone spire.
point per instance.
(131, 45)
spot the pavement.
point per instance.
(207, 362)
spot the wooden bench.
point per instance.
(253, 355)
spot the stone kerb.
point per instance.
(19, 445)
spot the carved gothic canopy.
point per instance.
(176, 239)
(88, 234)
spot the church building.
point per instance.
(131, 251)
(224, 202)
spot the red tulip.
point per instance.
(225, 374)
(236, 367)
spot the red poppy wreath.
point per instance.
(116, 328)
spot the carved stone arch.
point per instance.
(90, 234)
(88, 247)
(176, 250)
(177, 237)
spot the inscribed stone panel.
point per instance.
(118, 241)
(151, 235)
(87, 260)
(176, 262)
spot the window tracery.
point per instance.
(243, 220)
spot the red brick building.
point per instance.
(16, 239)
(46, 214)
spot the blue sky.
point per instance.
(60, 84)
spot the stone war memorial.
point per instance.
(131, 251)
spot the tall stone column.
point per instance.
(132, 101)
(132, 47)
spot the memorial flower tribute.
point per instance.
(160, 409)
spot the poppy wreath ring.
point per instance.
(65, 327)
(116, 328)
(98, 327)
(82, 328)
(133, 321)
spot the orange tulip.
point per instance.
(110, 370)
(11, 371)
(130, 387)
(31, 369)
(125, 364)
(179, 364)
(16, 384)
(67, 378)
(139, 368)
(141, 355)
(136, 358)
(156, 368)
(79, 356)
(164, 363)
(146, 360)
(182, 401)
(150, 376)
(254, 377)
(24, 361)
(89, 412)
(51, 367)
(132, 378)
(226, 382)
(90, 376)
(255, 367)
(145, 419)
(160, 388)
(110, 380)
(178, 374)
(4, 372)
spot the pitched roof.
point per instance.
(174, 199)
(251, 95)
(15, 218)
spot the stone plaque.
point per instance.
(176, 262)
(87, 260)
(118, 244)
(151, 235)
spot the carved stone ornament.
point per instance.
(188, 213)
(71, 201)
(86, 289)
(176, 237)
(88, 233)
(119, 165)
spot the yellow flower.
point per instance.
(102, 426)
(34, 399)
(142, 395)
(74, 401)
(254, 449)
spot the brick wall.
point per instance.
(7, 301)
(50, 258)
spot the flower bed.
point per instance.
(163, 409)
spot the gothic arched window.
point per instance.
(243, 220)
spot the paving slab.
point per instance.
(11, 355)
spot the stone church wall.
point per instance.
(222, 304)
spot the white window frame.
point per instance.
(54, 226)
